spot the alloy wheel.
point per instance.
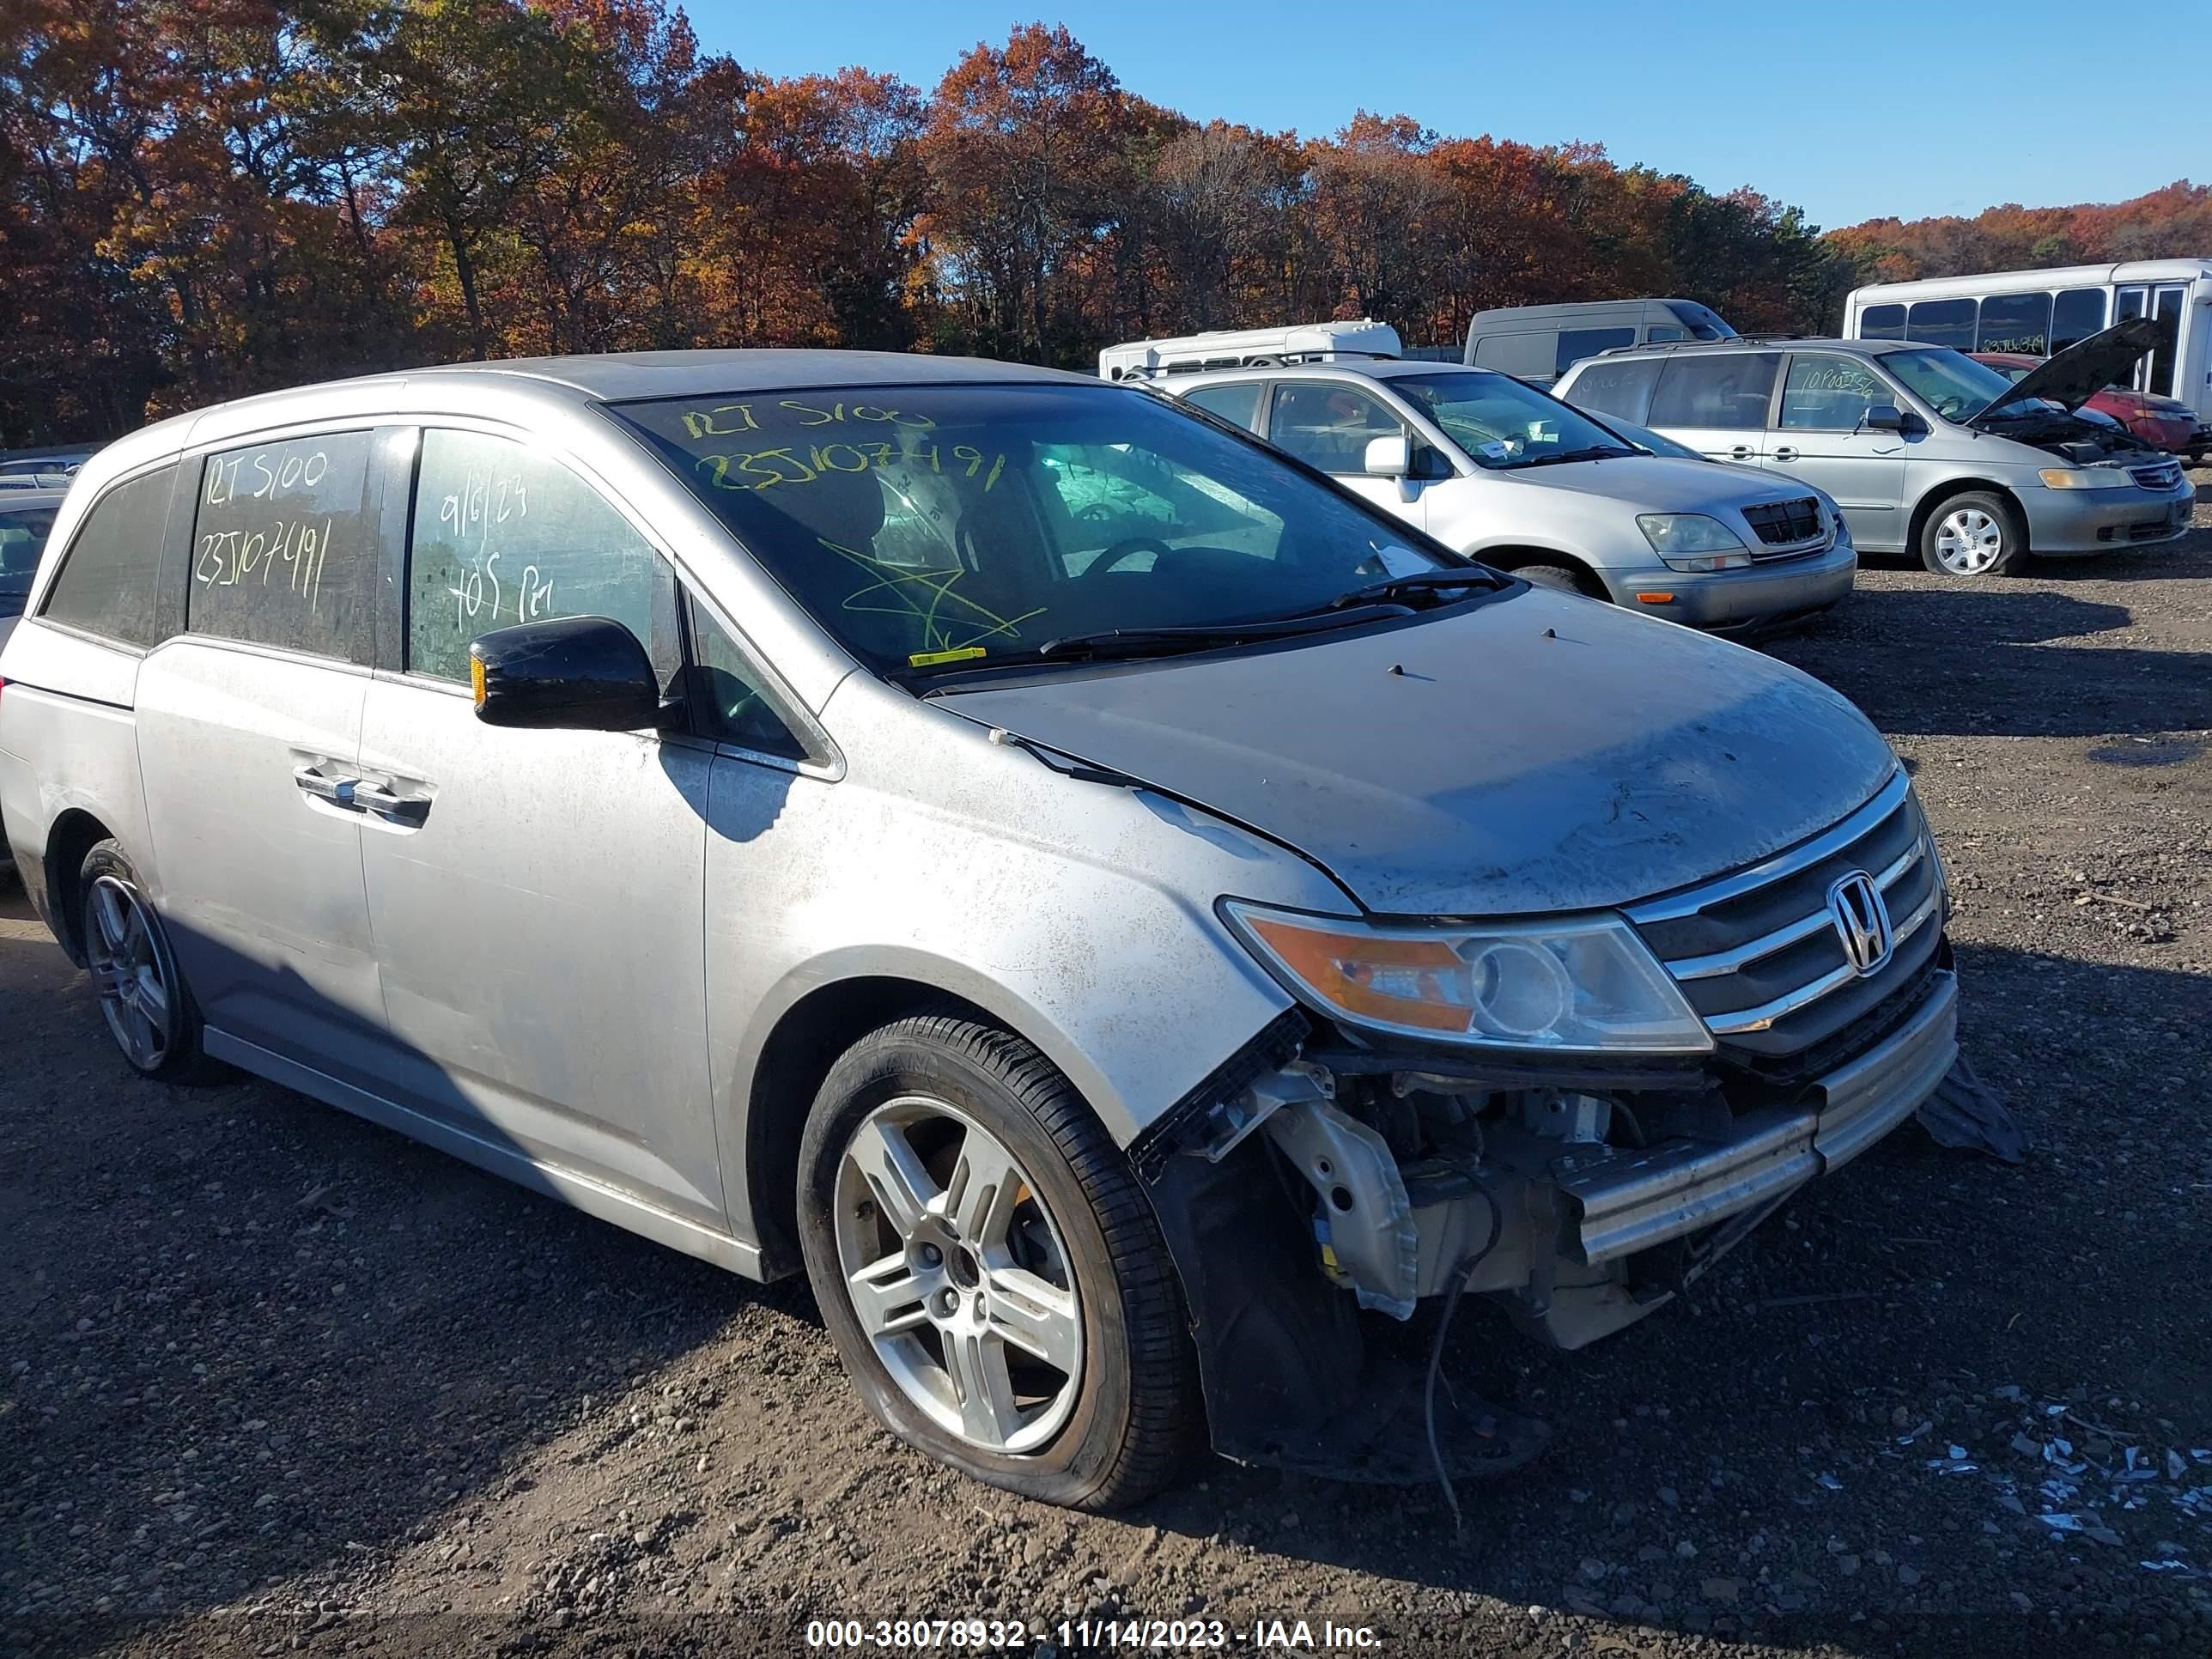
(130, 969)
(957, 1272)
(1969, 541)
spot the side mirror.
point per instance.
(583, 673)
(1883, 417)
(1388, 458)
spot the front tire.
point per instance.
(990, 1270)
(143, 998)
(1972, 535)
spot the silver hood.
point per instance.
(1665, 483)
(1538, 753)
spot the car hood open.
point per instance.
(1538, 752)
(2082, 370)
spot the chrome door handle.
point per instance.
(401, 809)
(338, 792)
(1785, 455)
(1741, 452)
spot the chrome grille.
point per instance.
(1758, 954)
(1784, 524)
(2159, 475)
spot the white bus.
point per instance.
(2043, 311)
(1243, 348)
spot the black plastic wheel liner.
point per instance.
(1289, 1379)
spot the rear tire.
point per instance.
(1023, 1321)
(1973, 535)
(149, 1008)
(1557, 576)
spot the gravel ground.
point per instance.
(274, 1380)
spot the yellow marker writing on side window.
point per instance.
(929, 659)
(476, 680)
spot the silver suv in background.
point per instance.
(1505, 473)
(1928, 452)
(1106, 903)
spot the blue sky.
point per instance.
(1848, 112)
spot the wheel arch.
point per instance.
(1516, 554)
(797, 1037)
(72, 835)
(1933, 500)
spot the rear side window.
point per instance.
(2015, 322)
(503, 535)
(1238, 403)
(1576, 343)
(1882, 323)
(283, 550)
(1619, 386)
(1944, 323)
(1531, 356)
(1728, 391)
(2076, 314)
(111, 576)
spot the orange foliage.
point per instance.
(202, 199)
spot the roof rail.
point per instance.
(1702, 345)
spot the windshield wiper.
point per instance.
(1588, 452)
(1422, 582)
(1165, 642)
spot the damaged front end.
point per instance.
(1331, 1169)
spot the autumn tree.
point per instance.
(203, 197)
(1026, 153)
(1375, 196)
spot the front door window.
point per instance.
(505, 534)
(1328, 426)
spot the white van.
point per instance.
(1539, 343)
(1249, 348)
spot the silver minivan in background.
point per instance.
(1116, 910)
(1928, 452)
(1505, 473)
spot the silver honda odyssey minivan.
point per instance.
(1927, 451)
(1120, 913)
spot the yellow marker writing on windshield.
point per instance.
(929, 659)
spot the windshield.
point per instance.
(22, 534)
(1703, 325)
(1954, 384)
(942, 528)
(1503, 424)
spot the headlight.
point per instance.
(2084, 478)
(1570, 986)
(1691, 541)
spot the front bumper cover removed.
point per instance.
(1577, 1238)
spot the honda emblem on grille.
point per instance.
(1862, 920)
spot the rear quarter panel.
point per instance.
(69, 740)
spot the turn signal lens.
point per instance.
(476, 679)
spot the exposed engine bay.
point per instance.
(2076, 438)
